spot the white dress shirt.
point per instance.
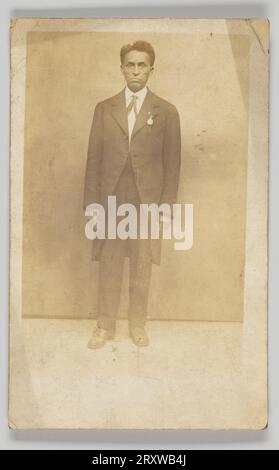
(141, 94)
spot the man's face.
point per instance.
(136, 69)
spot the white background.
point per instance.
(267, 439)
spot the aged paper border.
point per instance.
(253, 381)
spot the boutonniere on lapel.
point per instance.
(150, 119)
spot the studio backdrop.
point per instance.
(206, 77)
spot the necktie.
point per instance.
(132, 106)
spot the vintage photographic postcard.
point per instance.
(138, 216)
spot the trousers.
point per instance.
(111, 265)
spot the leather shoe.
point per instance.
(139, 336)
(99, 337)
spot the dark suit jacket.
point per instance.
(154, 150)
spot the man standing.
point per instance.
(133, 154)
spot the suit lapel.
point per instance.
(119, 112)
(149, 107)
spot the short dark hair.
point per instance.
(141, 46)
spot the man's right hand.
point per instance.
(94, 215)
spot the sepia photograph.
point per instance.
(138, 223)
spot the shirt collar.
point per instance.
(140, 94)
